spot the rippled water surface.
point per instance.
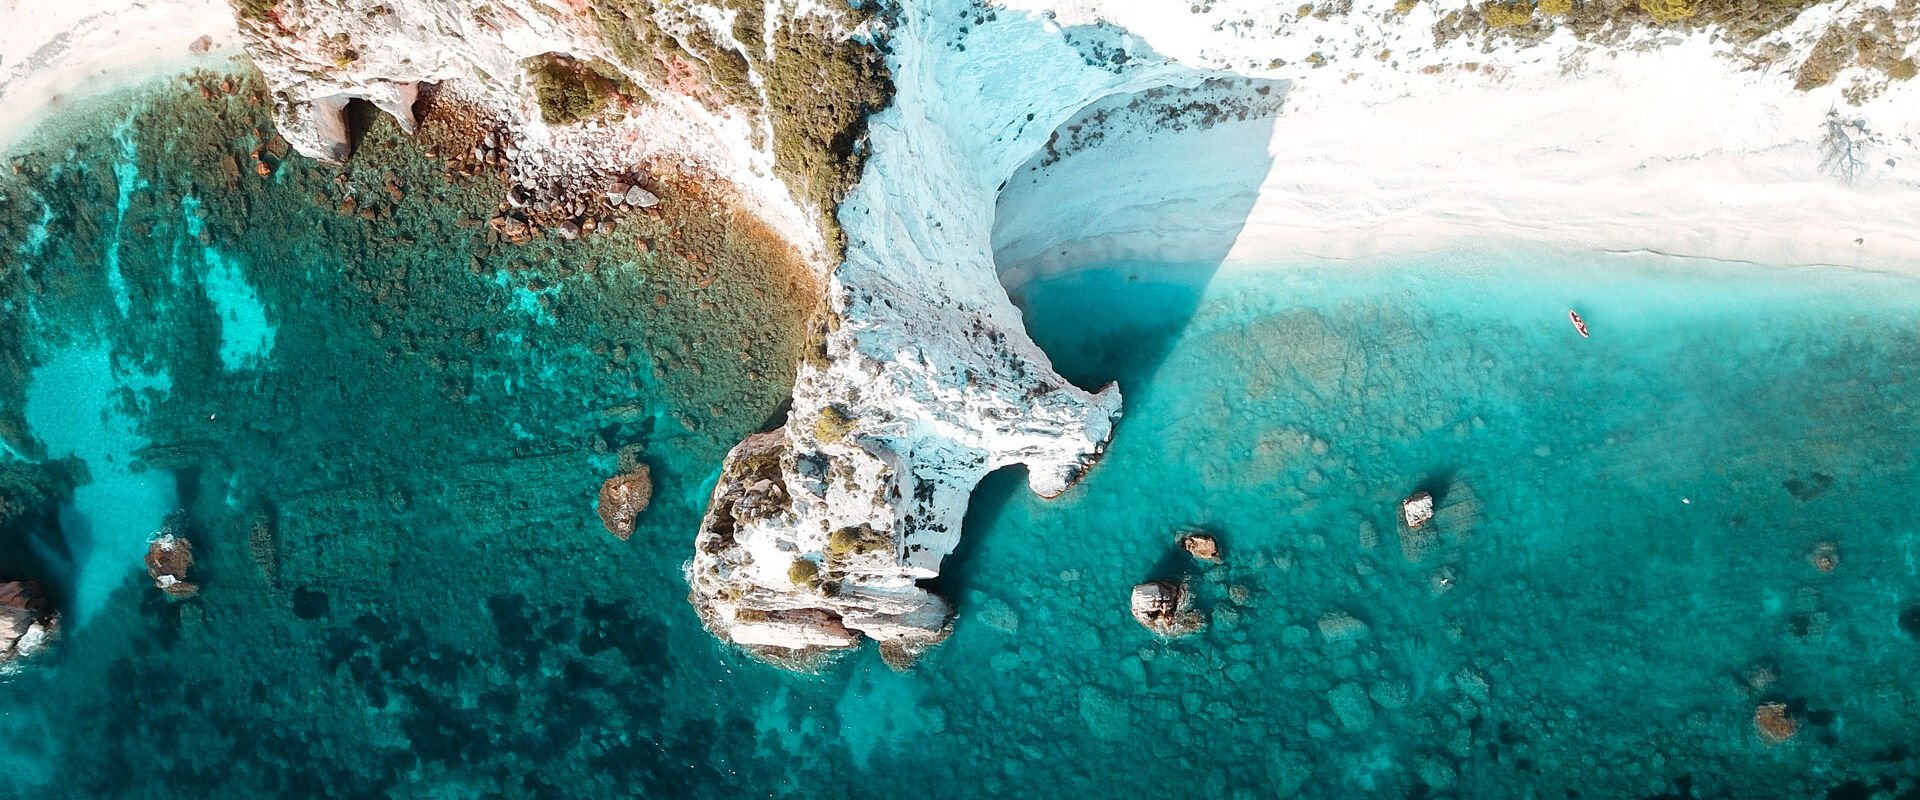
(385, 446)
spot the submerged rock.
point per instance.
(1416, 510)
(1825, 556)
(623, 497)
(1201, 546)
(28, 623)
(168, 559)
(1340, 626)
(1165, 608)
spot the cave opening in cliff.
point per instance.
(1107, 236)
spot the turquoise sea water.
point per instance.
(386, 436)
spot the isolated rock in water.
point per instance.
(641, 198)
(168, 559)
(1163, 607)
(27, 623)
(1824, 556)
(1201, 546)
(1416, 510)
(1773, 723)
(623, 497)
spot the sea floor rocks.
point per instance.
(28, 623)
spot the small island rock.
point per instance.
(1201, 546)
(1417, 510)
(1163, 607)
(623, 497)
(168, 559)
(1773, 722)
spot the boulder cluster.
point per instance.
(563, 199)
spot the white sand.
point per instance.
(1676, 149)
(52, 51)
(1673, 151)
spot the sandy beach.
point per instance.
(52, 51)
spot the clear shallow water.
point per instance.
(406, 593)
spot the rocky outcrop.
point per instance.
(765, 578)
(1166, 609)
(623, 497)
(1774, 724)
(1416, 510)
(689, 96)
(168, 559)
(28, 623)
(1201, 546)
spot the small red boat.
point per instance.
(1578, 323)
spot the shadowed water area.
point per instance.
(385, 431)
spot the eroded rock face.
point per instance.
(681, 105)
(623, 497)
(1166, 609)
(168, 559)
(28, 623)
(765, 578)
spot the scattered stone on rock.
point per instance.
(1165, 608)
(623, 497)
(1417, 509)
(28, 623)
(1201, 546)
(201, 45)
(641, 198)
(1773, 722)
(513, 229)
(168, 559)
(1824, 556)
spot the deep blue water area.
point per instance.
(383, 430)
